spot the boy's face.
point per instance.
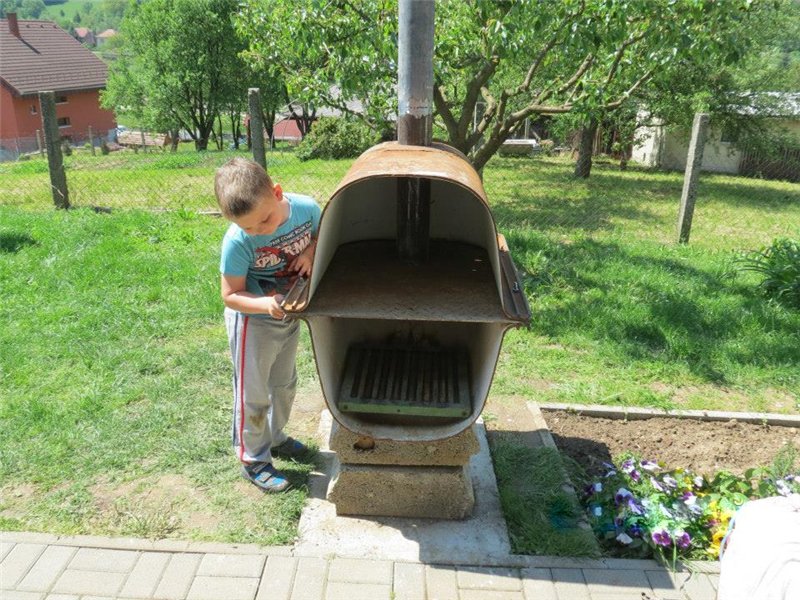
(267, 215)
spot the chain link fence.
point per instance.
(535, 192)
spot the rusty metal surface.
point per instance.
(395, 160)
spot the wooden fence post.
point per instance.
(256, 126)
(91, 140)
(55, 160)
(694, 161)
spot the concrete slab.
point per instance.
(478, 540)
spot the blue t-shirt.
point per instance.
(264, 259)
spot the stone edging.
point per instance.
(518, 561)
(636, 413)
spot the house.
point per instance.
(41, 56)
(85, 36)
(104, 36)
(658, 146)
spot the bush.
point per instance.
(779, 264)
(104, 149)
(336, 138)
(547, 147)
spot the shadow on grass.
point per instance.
(644, 305)
(12, 242)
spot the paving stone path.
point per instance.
(48, 567)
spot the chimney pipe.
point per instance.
(13, 26)
(414, 123)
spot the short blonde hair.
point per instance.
(239, 184)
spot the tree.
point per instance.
(177, 64)
(519, 58)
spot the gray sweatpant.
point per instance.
(264, 382)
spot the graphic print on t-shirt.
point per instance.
(279, 255)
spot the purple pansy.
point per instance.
(683, 540)
(649, 465)
(656, 485)
(662, 538)
(698, 481)
(783, 489)
(635, 531)
(670, 481)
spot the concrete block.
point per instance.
(409, 581)
(495, 578)
(99, 559)
(17, 562)
(612, 581)
(277, 578)
(354, 570)
(453, 451)
(47, 569)
(230, 588)
(490, 595)
(144, 578)
(231, 565)
(441, 582)
(339, 590)
(177, 576)
(106, 583)
(538, 584)
(569, 583)
(15, 595)
(309, 581)
(402, 491)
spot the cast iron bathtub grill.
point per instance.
(407, 350)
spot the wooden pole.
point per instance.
(91, 140)
(144, 146)
(694, 161)
(55, 160)
(256, 126)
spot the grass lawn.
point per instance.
(114, 375)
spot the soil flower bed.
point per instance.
(640, 506)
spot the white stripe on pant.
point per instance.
(263, 351)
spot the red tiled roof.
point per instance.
(47, 58)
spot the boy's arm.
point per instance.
(303, 261)
(236, 297)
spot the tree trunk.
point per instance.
(175, 138)
(583, 167)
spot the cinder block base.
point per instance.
(454, 451)
(402, 491)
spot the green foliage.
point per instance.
(641, 507)
(25, 9)
(332, 138)
(517, 58)
(66, 148)
(779, 266)
(179, 65)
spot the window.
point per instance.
(63, 122)
(33, 109)
(61, 99)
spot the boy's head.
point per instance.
(247, 196)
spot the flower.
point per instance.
(624, 538)
(698, 481)
(670, 481)
(682, 539)
(649, 465)
(783, 489)
(656, 485)
(662, 538)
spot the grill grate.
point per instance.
(431, 382)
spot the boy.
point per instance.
(269, 244)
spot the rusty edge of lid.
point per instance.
(438, 161)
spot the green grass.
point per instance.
(114, 374)
(542, 517)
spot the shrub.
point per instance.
(779, 264)
(336, 138)
(88, 146)
(104, 149)
(547, 147)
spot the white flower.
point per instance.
(598, 487)
(624, 538)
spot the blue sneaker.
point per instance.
(265, 477)
(291, 448)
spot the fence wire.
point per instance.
(528, 193)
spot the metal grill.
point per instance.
(431, 382)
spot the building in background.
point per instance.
(40, 56)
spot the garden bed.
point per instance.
(697, 445)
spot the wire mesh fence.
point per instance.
(531, 193)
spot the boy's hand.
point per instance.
(303, 261)
(274, 306)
